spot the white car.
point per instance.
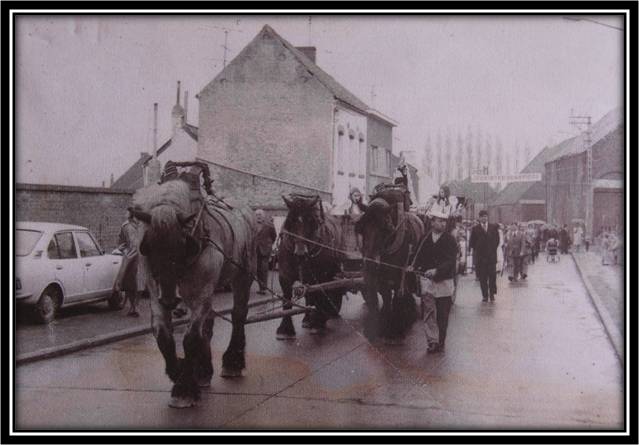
(59, 265)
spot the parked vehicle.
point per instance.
(60, 265)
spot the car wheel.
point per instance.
(47, 306)
(116, 300)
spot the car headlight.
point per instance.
(18, 284)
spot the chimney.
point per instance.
(177, 101)
(151, 172)
(308, 51)
(186, 106)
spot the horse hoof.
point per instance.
(231, 373)
(282, 336)
(182, 402)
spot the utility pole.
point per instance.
(578, 121)
(225, 46)
(310, 24)
(485, 203)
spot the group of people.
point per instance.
(611, 246)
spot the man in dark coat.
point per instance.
(266, 236)
(484, 239)
(564, 239)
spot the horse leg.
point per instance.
(186, 392)
(286, 329)
(233, 361)
(371, 318)
(385, 316)
(163, 333)
(204, 369)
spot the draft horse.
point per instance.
(190, 248)
(390, 234)
(307, 254)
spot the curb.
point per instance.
(614, 335)
(113, 337)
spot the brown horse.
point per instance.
(302, 258)
(191, 248)
(390, 236)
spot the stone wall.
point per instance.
(101, 210)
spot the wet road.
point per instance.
(84, 322)
(536, 358)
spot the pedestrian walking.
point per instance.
(577, 238)
(435, 264)
(126, 280)
(516, 252)
(484, 240)
(266, 236)
(564, 239)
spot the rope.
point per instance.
(346, 252)
(251, 274)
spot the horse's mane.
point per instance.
(175, 193)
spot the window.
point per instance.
(361, 157)
(340, 151)
(374, 158)
(388, 166)
(26, 241)
(62, 247)
(87, 245)
(352, 154)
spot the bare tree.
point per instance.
(469, 150)
(459, 165)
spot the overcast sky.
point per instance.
(85, 86)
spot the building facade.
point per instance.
(273, 122)
(567, 186)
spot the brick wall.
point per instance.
(102, 210)
(266, 114)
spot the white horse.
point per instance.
(191, 248)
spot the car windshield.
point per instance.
(26, 241)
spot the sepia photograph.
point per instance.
(311, 221)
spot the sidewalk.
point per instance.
(605, 285)
(93, 325)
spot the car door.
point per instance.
(68, 270)
(97, 277)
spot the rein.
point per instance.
(334, 249)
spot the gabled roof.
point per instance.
(339, 92)
(133, 177)
(515, 191)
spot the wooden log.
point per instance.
(342, 283)
(278, 314)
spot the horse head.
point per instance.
(167, 245)
(304, 219)
(375, 226)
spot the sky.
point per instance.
(85, 86)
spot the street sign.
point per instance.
(520, 177)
